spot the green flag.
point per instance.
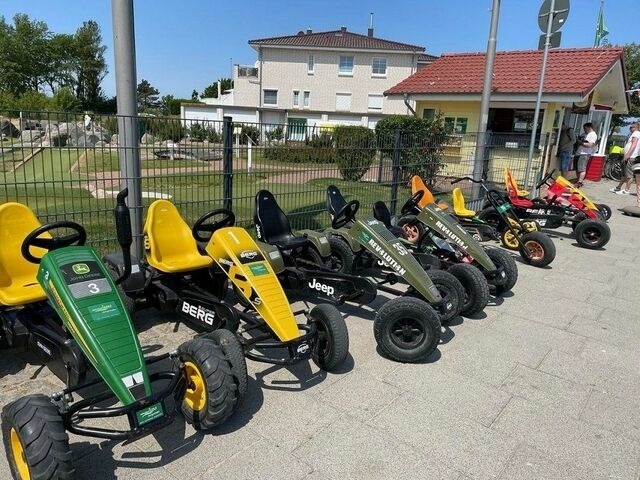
(601, 28)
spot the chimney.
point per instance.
(309, 31)
(370, 31)
(343, 29)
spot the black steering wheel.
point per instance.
(546, 178)
(345, 214)
(411, 205)
(202, 232)
(78, 237)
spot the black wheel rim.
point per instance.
(591, 235)
(324, 347)
(407, 333)
(336, 262)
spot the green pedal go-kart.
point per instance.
(70, 312)
(406, 328)
(180, 276)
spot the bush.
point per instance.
(250, 131)
(163, 128)
(275, 134)
(302, 154)
(197, 132)
(355, 151)
(421, 144)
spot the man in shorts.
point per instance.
(631, 153)
(586, 147)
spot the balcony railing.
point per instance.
(247, 72)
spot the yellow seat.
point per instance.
(18, 284)
(418, 184)
(168, 241)
(512, 186)
(458, 205)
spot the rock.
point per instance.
(9, 129)
(28, 136)
(101, 143)
(147, 139)
(114, 139)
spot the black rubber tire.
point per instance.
(493, 218)
(605, 210)
(407, 329)
(451, 289)
(234, 352)
(219, 385)
(476, 288)
(129, 303)
(332, 346)
(341, 255)
(577, 219)
(542, 245)
(310, 254)
(592, 234)
(40, 430)
(504, 260)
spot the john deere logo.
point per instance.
(80, 268)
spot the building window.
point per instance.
(270, 97)
(429, 113)
(305, 99)
(310, 64)
(379, 66)
(343, 102)
(375, 102)
(457, 125)
(296, 98)
(346, 65)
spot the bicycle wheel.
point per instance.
(617, 169)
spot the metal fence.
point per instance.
(67, 166)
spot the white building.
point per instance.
(316, 79)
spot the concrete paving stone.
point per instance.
(610, 302)
(622, 382)
(556, 312)
(612, 413)
(547, 389)
(360, 394)
(596, 452)
(606, 332)
(539, 333)
(305, 415)
(259, 461)
(438, 431)
(627, 321)
(353, 450)
(464, 395)
(610, 355)
(528, 463)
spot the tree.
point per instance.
(91, 67)
(194, 95)
(147, 96)
(212, 90)
(632, 66)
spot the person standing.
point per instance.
(631, 153)
(565, 149)
(586, 147)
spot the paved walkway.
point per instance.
(544, 385)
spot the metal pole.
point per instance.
(395, 171)
(126, 91)
(478, 163)
(536, 114)
(227, 163)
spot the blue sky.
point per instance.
(190, 44)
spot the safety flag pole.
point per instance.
(601, 28)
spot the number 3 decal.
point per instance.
(93, 288)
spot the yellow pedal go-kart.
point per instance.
(177, 276)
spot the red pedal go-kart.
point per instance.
(563, 204)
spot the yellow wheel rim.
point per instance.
(530, 226)
(18, 456)
(510, 240)
(196, 394)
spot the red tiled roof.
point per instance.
(569, 70)
(336, 39)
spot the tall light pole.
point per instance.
(479, 160)
(124, 47)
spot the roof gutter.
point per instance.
(406, 102)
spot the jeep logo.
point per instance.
(249, 254)
(199, 313)
(320, 287)
(80, 268)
